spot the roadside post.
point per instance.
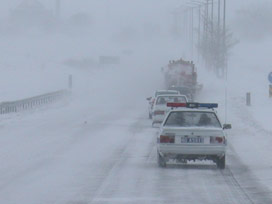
(248, 99)
(270, 85)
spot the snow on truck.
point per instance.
(181, 75)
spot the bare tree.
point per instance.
(214, 47)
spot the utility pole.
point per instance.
(198, 5)
(212, 19)
(224, 38)
(219, 14)
(58, 7)
(192, 34)
(218, 40)
(199, 31)
(224, 18)
(206, 28)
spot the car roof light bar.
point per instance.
(193, 105)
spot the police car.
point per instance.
(160, 106)
(192, 131)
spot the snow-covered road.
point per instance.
(108, 157)
(100, 147)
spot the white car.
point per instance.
(160, 106)
(151, 100)
(193, 133)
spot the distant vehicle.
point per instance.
(160, 106)
(181, 73)
(192, 132)
(152, 99)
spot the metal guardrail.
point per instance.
(33, 102)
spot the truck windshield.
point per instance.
(192, 119)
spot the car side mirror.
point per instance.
(149, 98)
(227, 126)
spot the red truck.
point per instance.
(181, 75)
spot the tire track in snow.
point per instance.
(123, 156)
(243, 180)
(237, 172)
(107, 172)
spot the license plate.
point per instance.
(192, 140)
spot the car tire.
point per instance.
(161, 161)
(221, 162)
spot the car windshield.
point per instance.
(165, 93)
(192, 119)
(162, 100)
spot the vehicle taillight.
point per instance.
(158, 112)
(217, 140)
(167, 139)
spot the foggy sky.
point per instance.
(153, 9)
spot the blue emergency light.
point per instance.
(208, 105)
(201, 105)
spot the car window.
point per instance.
(161, 100)
(192, 119)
